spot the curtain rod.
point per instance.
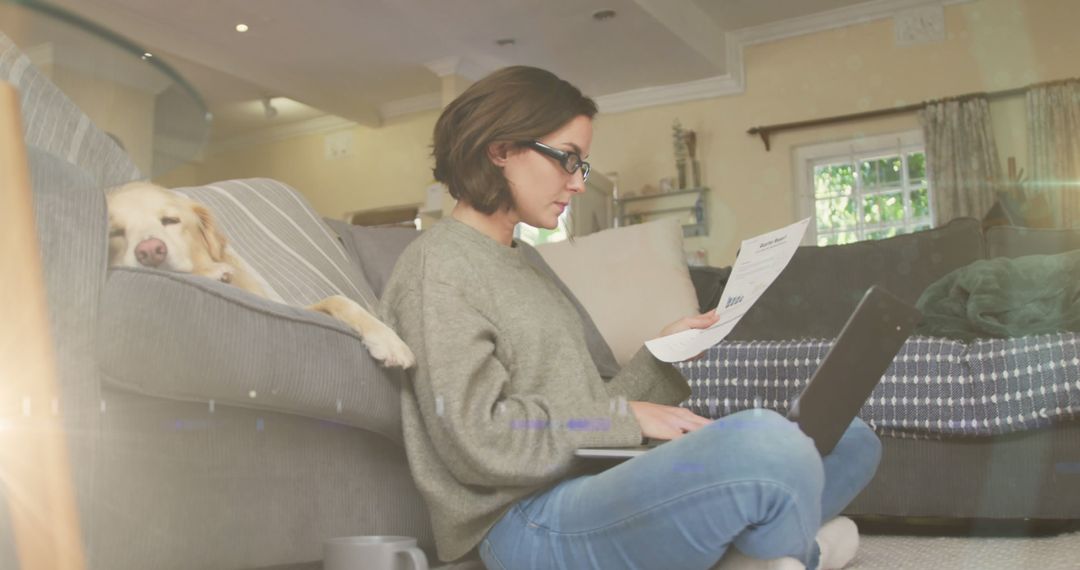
(766, 131)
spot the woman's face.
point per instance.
(541, 188)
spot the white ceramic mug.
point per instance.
(373, 553)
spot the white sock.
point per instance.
(838, 540)
(735, 560)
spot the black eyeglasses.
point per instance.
(571, 161)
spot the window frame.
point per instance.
(807, 157)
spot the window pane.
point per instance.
(837, 238)
(921, 227)
(881, 172)
(916, 165)
(920, 203)
(883, 208)
(835, 213)
(847, 237)
(833, 180)
(882, 234)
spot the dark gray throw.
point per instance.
(1004, 298)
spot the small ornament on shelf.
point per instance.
(682, 153)
(691, 149)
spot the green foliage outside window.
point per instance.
(876, 200)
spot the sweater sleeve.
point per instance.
(644, 378)
(485, 434)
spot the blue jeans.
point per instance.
(751, 480)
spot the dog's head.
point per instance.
(153, 227)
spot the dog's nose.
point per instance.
(151, 252)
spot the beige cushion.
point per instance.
(633, 280)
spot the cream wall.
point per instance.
(124, 111)
(389, 165)
(991, 45)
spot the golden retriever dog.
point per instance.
(150, 226)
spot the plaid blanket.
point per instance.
(934, 388)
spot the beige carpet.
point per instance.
(882, 552)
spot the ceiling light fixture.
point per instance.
(241, 28)
(268, 108)
(603, 15)
(146, 56)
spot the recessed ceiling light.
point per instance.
(241, 28)
(602, 15)
(146, 55)
(505, 42)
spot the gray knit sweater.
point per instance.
(504, 389)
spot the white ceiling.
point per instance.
(360, 59)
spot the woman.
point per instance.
(504, 389)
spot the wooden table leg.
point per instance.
(35, 474)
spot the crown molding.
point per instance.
(418, 104)
(318, 125)
(668, 94)
(832, 19)
(734, 81)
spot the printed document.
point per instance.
(759, 263)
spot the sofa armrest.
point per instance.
(189, 338)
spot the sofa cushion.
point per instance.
(633, 280)
(274, 229)
(377, 249)
(1012, 241)
(183, 337)
(599, 350)
(54, 124)
(815, 294)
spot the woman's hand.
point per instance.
(666, 422)
(702, 321)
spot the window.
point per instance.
(867, 189)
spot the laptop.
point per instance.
(867, 344)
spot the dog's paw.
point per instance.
(219, 272)
(386, 347)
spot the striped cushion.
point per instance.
(276, 231)
(54, 124)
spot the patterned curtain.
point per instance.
(1053, 115)
(961, 157)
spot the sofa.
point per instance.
(980, 476)
(206, 427)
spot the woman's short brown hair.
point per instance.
(511, 105)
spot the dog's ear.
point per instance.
(212, 236)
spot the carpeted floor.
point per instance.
(883, 552)
(886, 552)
